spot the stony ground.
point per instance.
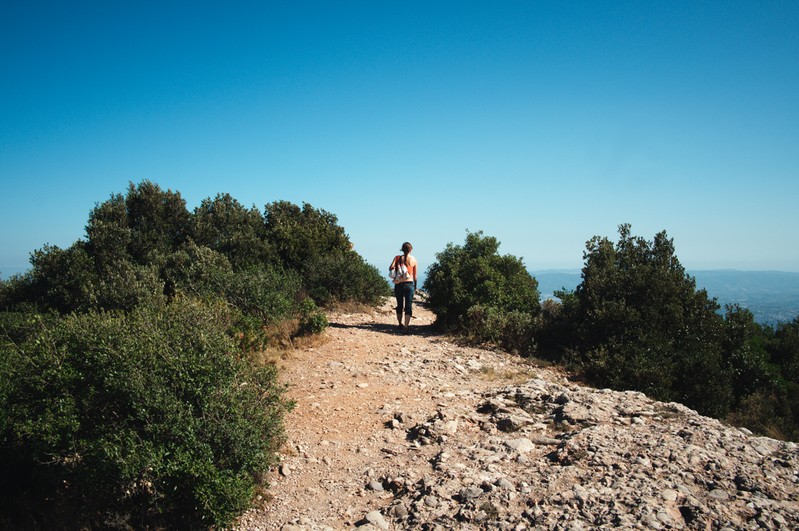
(413, 431)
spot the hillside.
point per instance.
(393, 432)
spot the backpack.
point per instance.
(400, 271)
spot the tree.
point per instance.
(745, 346)
(637, 321)
(785, 350)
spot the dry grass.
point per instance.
(349, 307)
(510, 376)
(283, 346)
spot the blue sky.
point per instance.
(542, 124)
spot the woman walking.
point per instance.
(403, 270)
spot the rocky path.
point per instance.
(395, 431)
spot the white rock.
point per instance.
(376, 519)
(522, 445)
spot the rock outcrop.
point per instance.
(541, 455)
(416, 432)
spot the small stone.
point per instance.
(399, 511)
(470, 493)
(375, 486)
(431, 501)
(664, 517)
(363, 385)
(522, 445)
(669, 495)
(507, 425)
(376, 519)
(503, 483)
(544, 440)
(718, 494)
(285, 470)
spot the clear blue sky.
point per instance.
(540, 123)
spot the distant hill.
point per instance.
(772, 296)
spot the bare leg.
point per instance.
(407, 321)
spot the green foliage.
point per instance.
(637, 322)
(145, 246)
(158, 221)
(194, 270)
(475, 274)
(127, 397)
(109, 235)
(344, 276)
(513, 331)
(771, 412)
(270, 294)
(63, 280)
(304, 235)
(745, 345)
(312, 320)
(150, 414)
(226, 226)
(785, 350)
(311, 242)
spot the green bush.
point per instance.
(194, 270)
(785, 349)
(514, 331)
(304, 235)
(637, 321)
(312, 320)
(475, 274)
(263, 302)
(310, 242)
(63, 279)
(226, 226)
(345, 276)
(139, 418)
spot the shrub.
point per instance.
(194, 270)
(141, 418)
(158, 220)
(774, 412)
(637, 321)
(476, 274)
(310, 242)
(513, 331)
(62, 279)
(302, 236)
(269, 294)
(345, 277)
(226, 226)
(785, 349)
(312, 320)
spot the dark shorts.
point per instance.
(404, 294)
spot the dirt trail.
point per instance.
(348, 391)
(396, 431)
